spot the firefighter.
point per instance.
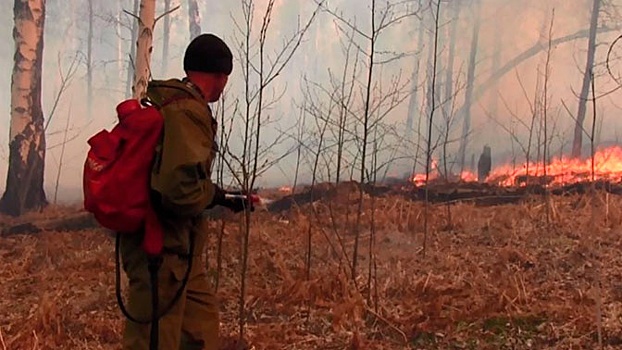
(484, 164)
(182, 190)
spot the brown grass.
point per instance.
(499, 279)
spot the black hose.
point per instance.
(171, 304)
(154, 265)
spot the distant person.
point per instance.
(484, 164)
(182, 190)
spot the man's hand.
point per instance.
(238, 203)
(219, 197)
(234, 201)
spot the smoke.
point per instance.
(508, 28)
(521, 25)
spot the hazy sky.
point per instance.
(514, 25)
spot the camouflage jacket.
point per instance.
(181, 176)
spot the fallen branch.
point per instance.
(73, 222)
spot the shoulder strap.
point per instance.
(158, 150)
(173, 99)
(146, 101)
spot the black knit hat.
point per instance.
(208, 53)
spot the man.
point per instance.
(484, 164)
(182, 190)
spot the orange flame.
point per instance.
(560, 171)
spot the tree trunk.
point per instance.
(194, 19)
(24, 186)
(468, 98)
(440, 39)
(73, 38)
(89, 63)
(448, 100)
(449, 79)
(496, 63)
(119, 43)
(430, 96)
(511, 64)
(577, 142)
(166, 37)
(144, 47)
(131, 62)
(413, 103)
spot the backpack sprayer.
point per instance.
(116, 190)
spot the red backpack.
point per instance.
(117, 171)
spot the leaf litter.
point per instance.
(493, 278)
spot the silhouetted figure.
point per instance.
(484, 164)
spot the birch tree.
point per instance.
(24, 186)
(130, 64)
(146, 22)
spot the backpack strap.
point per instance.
(146, 101)
(158, 151)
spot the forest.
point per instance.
(433, 174)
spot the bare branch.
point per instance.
(166, 13)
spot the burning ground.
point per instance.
(491, 278)
(606, 165)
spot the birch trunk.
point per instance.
(131, 62)
(577, 142)
(24, 186)
(144, 47)
(194, 19)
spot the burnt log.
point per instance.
(73, 222)
(490, 195)
(481, 194)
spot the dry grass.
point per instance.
(497, 278)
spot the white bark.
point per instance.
(132, 59)
(24, 186)
(144, 48)
(28, 33)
